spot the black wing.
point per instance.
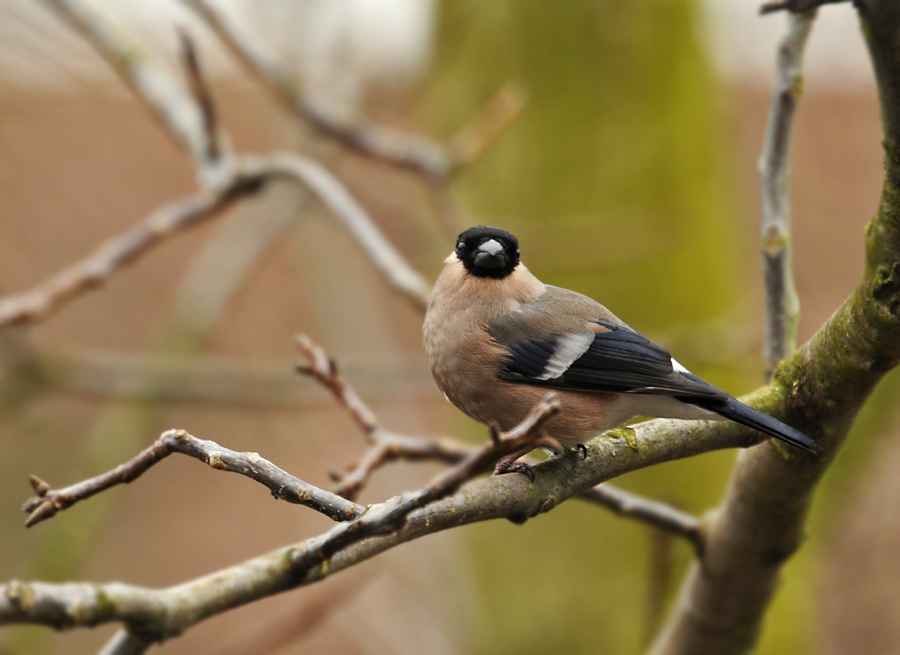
(611, 357)
(607, 357)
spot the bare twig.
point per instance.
(782, 302)
(151, 82)
(201, 94)
(391, 447)
(315, 177)
(384, 446)
(171, 219)
(389, 516)
(155, 614)
(283, 485)
(796, 6)
(251, 174)
(398, 148)
(655, 513)
(325, 370)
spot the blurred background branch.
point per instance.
(782, 302)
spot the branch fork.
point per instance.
(284, 486)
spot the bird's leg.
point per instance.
(550, 445)
(509, 464)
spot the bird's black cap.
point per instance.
(488, 252)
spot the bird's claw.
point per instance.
(514, 467)
(582, 449)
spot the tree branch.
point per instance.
(782, 302)
(251, 174)
(283, 485)
(173, 218)
(157, 614)
(822, 388)
(202, 96)
(398, 148)
(657, 514)
(387, 260)
(384, 446)
(404, 150)
(153, 84)
(191, 120)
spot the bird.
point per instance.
(499, 340)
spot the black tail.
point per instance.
(740, 413)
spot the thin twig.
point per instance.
(283, 485)
(202, 95)
(782, 302)
(383, 446)
(398, 148)
(389, 516)
(251, 174)
(328, 189)
(655, 513)
(157, 613)
(325, 370)
(173, 218)
(401, 149)
(150, 80)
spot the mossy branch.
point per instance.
(819, 390)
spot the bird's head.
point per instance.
(488, 252)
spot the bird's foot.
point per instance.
(505, 466)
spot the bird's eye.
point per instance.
(460, 246)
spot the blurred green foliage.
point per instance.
(618, 155)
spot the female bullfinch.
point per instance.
(499, 340)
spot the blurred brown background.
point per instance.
(631, 177)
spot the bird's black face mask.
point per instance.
(488, 252)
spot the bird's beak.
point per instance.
(490, 255)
